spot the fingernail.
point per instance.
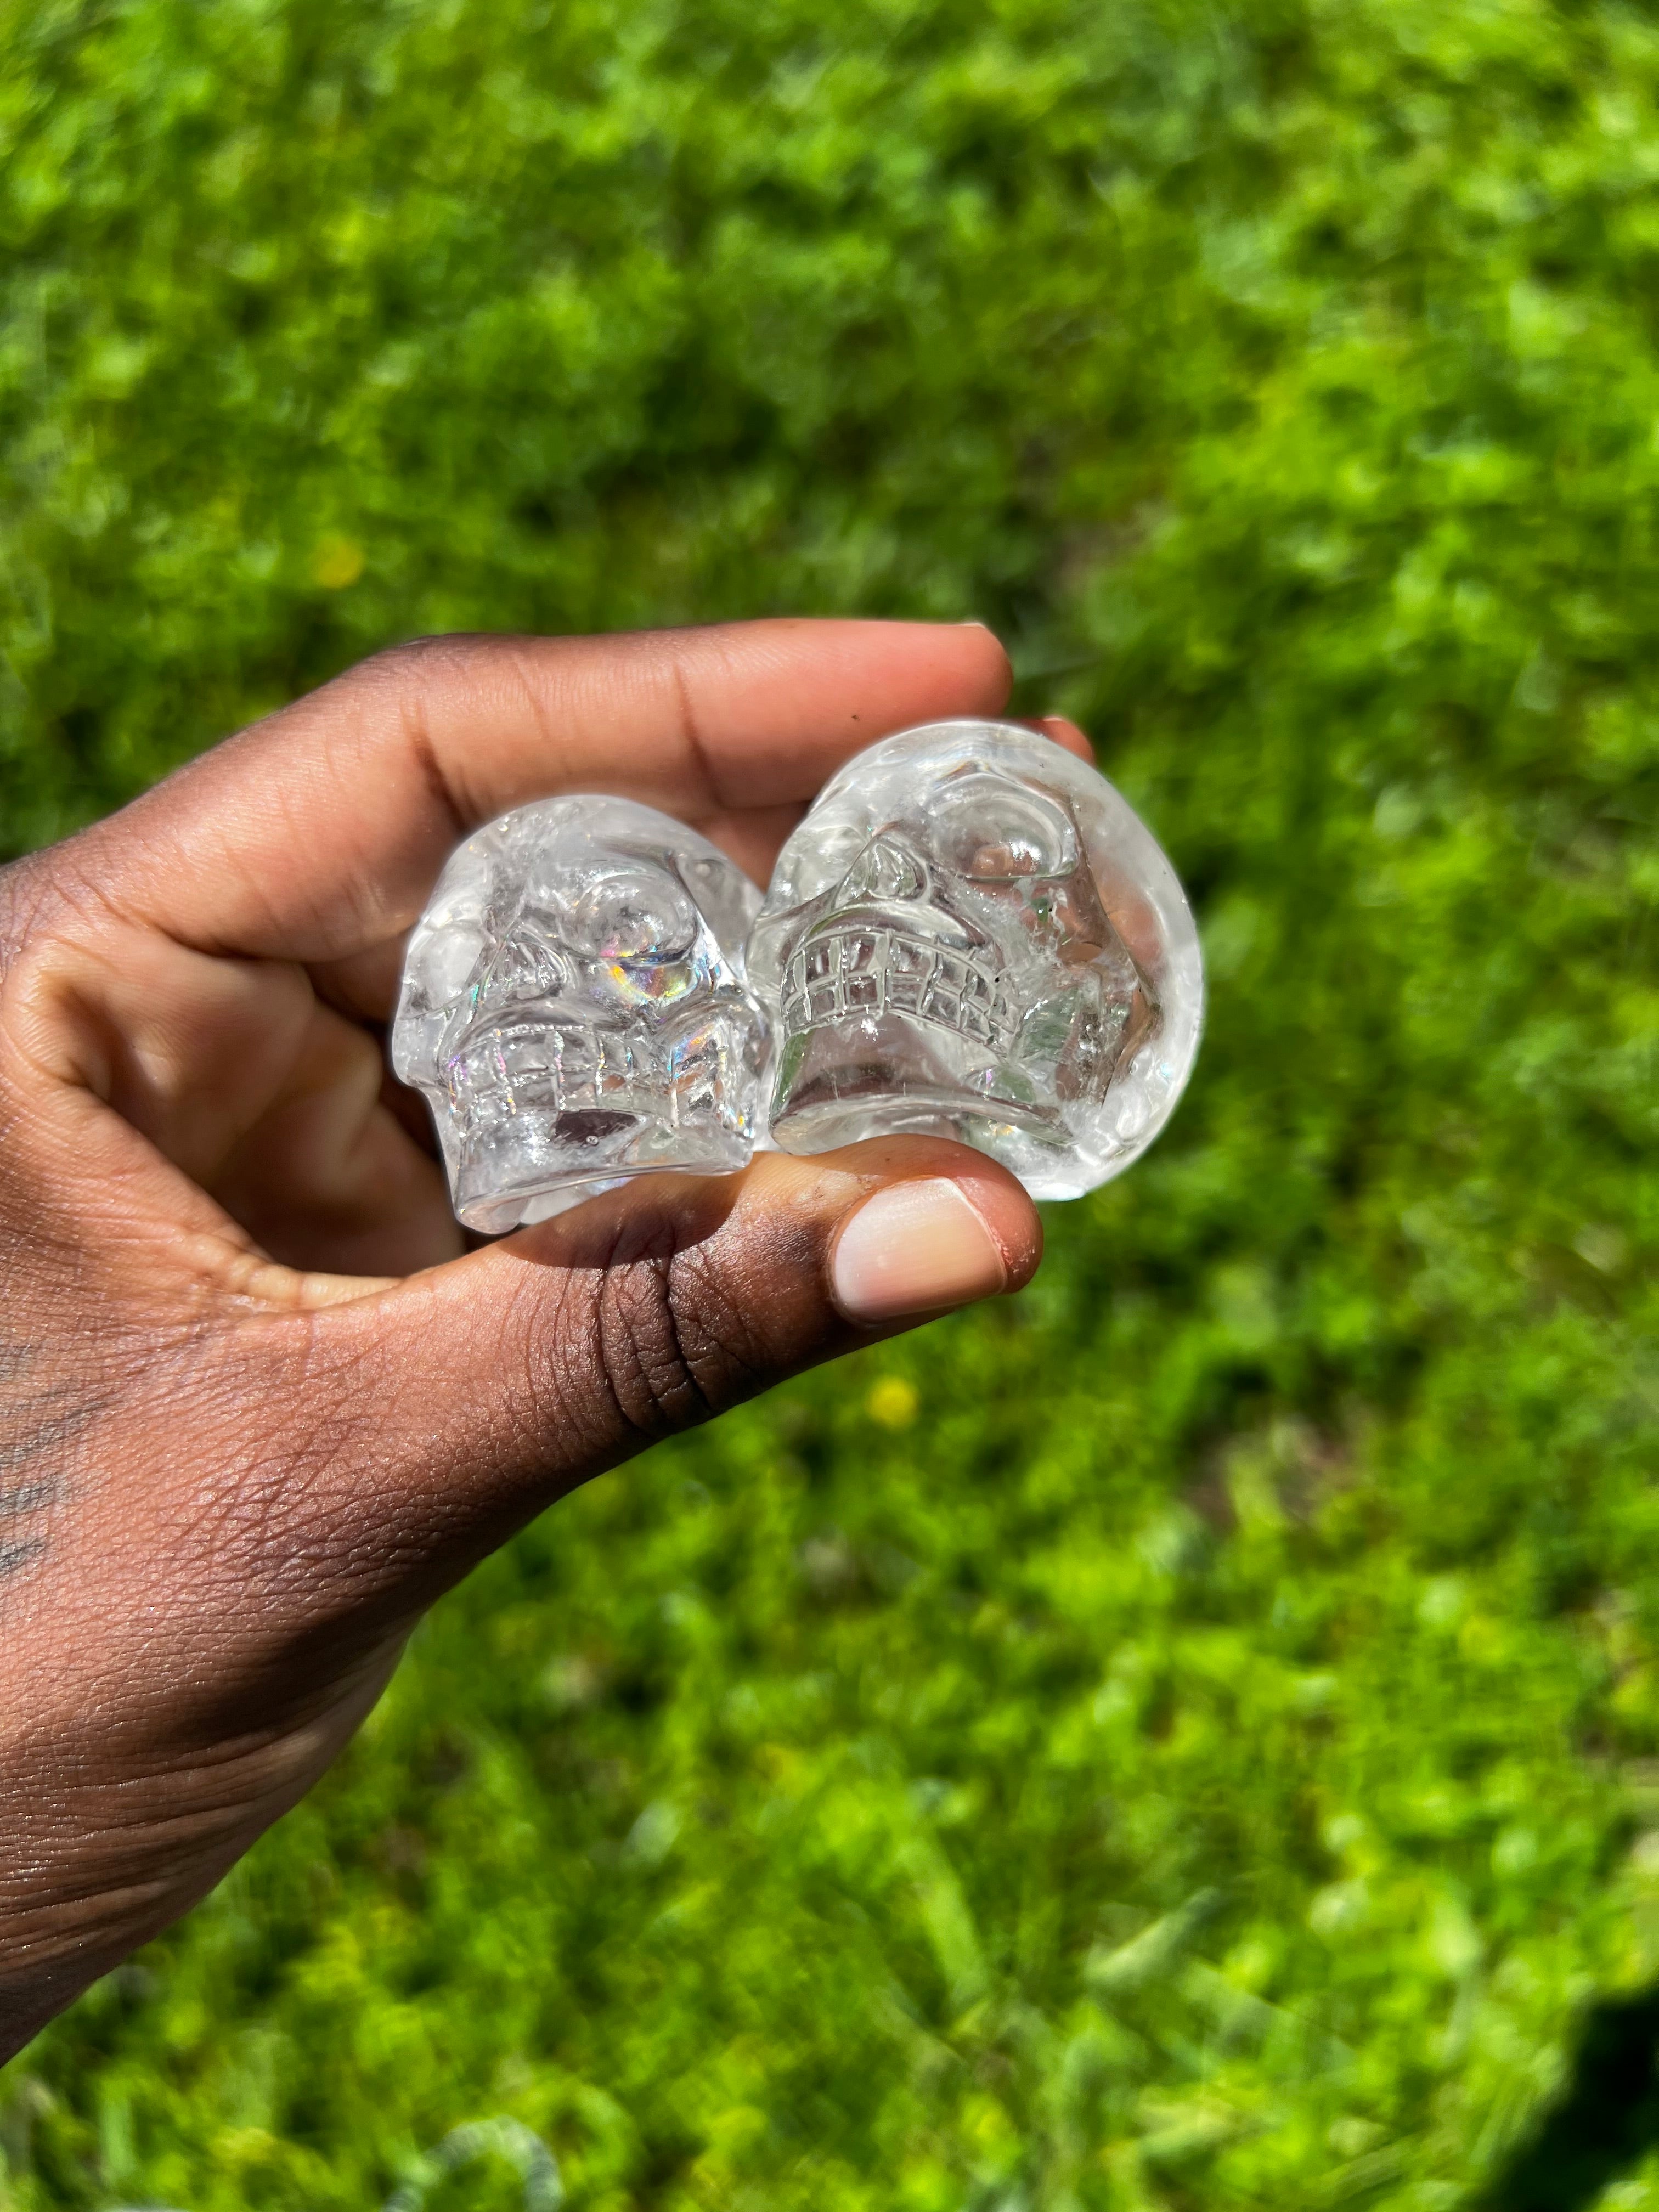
(915, 1248)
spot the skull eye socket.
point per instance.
(524, 967)
(442, 963)
(635, 914)
(993, 832)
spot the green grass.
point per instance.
(1188, 1739)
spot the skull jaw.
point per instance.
(535, 1118)
(545, 1161)
(899, 1074)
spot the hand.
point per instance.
(258, 1406)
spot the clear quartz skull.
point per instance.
(973, 935)
(574, 1008)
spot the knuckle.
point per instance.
(26, 896)
(415, 660)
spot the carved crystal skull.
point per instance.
(972, 935)
(574, 1008)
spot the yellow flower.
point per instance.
(893, 1402)
(336, 562)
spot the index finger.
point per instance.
(318, 833)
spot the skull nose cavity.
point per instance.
(885, 869)
(523, 968)
(992, 830)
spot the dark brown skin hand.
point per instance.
(259, 1405)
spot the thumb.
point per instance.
(483, 1389)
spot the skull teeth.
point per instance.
(843, 975)
(513, 1067)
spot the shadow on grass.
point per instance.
(1607, 2119)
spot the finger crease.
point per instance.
(425, 754)
(691, 732)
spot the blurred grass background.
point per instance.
(1189, 1738)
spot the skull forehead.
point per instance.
(564, 857)
(923, 795)
(558, 854)
(958, 792)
